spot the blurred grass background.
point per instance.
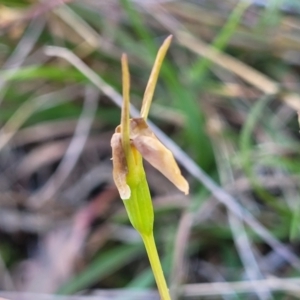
(228, 96)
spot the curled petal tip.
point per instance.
(181, 183)
(125, 193)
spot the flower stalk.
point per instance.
(132, 141)
(152, 253)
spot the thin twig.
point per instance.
(31, 106)
(179, 261)
(229, 63)
(22, 50)
(219, 288)
(211, 273)
(247, 257)
(35, 11)
(73, 151)
(240, 237)
(290, 285)
(92, 40)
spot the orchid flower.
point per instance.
(132, 141)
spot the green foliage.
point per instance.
(258, 132)
(105, 263)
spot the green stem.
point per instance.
(150, 246)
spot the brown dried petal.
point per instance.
(119, 166)
(156, 153)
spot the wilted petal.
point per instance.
(119, 166)
(156, 153)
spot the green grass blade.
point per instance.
(198, 71)
(104, 265)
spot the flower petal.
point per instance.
(119, 166)
(156, 153)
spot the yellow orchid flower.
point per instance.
(135, 134)
(132, 141)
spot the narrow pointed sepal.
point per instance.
(119, 166)
(156, 153)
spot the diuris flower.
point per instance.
(143, 140)
(134, 139)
